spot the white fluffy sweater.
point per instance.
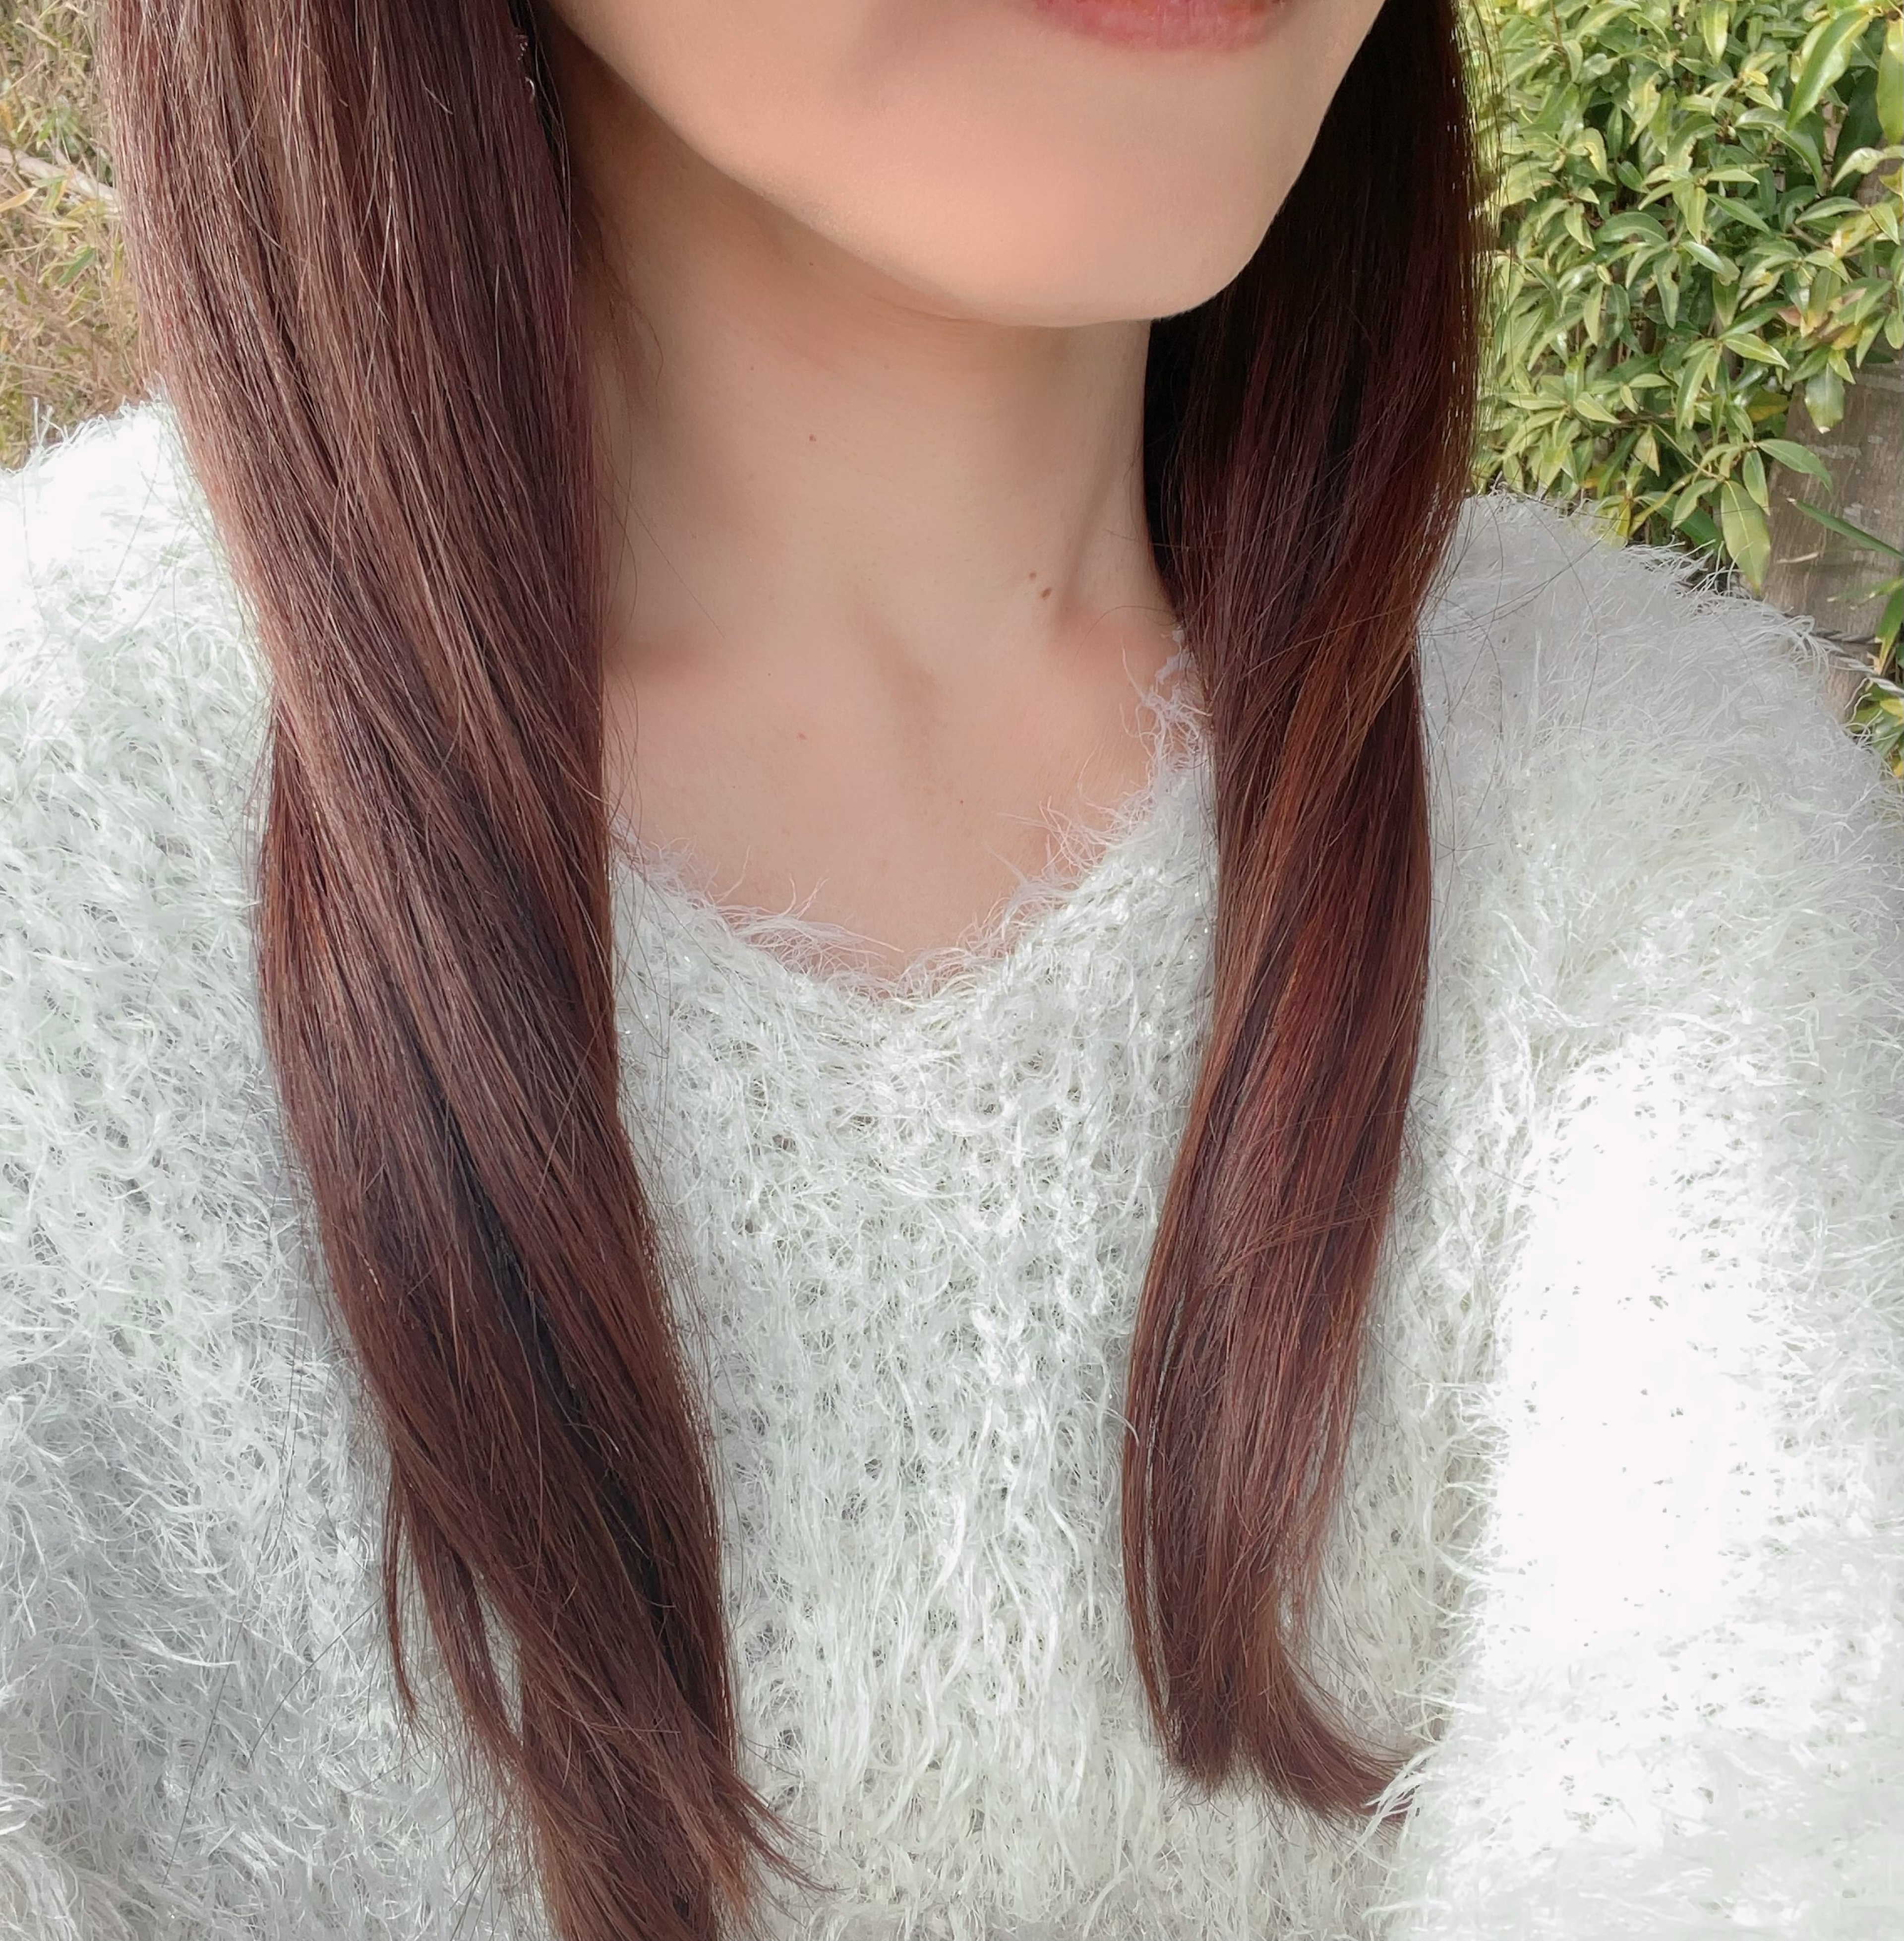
(1622, 1549)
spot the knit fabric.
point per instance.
(1620, 1559)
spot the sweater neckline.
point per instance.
(799, 957)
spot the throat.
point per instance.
(876, 867)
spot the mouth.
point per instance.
(1208, 24)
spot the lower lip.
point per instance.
(1165, 23)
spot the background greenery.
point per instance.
(1697, 206)
(1697, 214)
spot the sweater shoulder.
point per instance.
(1682, 973)
(1542, 626)
(1662, 708)
(130, 717)
(115, 594)
(132, 701)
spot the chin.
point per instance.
(1071, 272)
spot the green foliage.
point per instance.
(1698, 222)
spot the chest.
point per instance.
(900, 811)
(917, 1243)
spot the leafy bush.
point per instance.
(1698, 221)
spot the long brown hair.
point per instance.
(354, 233)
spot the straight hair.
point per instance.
(354, 234)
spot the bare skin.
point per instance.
(882, 593)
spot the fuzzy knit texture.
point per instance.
(1621, 1556)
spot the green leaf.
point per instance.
(1824, 399)
(1870, 541)
(1753, 473)
(1885, 589)
(1690, 200)
(1733, 210)
(1803, 146)
(1826, 53)
(1523, 180)
(1714, 24)
(1857, 162)
(1709, 258)
(1890, 83)
(1748, 538)
(1795, 457)
(1694, 374)
(1688, 503)
(1610, 474)
(1749, 348)
(1831, 206)
(1891, 620)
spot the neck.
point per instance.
(807, 459)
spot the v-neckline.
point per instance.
(798, 957)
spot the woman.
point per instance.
(550, 1398)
